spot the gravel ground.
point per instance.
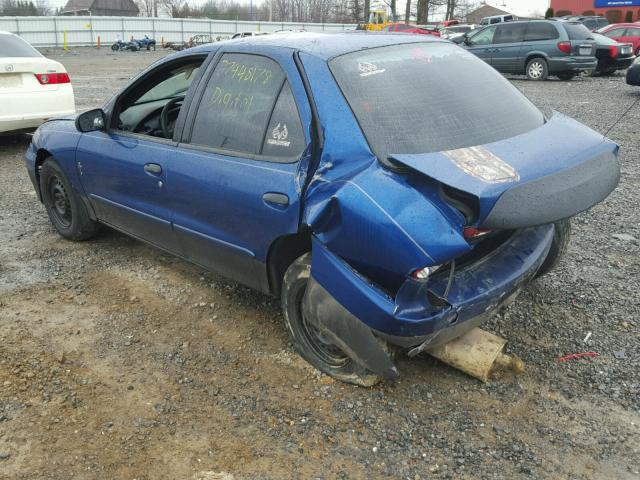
(119, 361)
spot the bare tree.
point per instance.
(407, 12)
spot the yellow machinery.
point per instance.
(378, 19)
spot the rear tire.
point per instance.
(561, 237)
(307, 340)
(537, 69)
(566, 76)
(66, 210)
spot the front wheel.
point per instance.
(308, 340)
(115, 47)
(566, 76)
(559, 245)
(65, 208)
(537, 69)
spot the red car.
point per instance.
(624, 33)
(406, 28)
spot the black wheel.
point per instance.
(566, 75)
(148, 47)
(309, 341)
(66, 210)
(115, 47)
(537, 69)
(561, 237)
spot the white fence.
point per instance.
(50, 31)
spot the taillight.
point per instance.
(613, 49)
(473, 232)
(424, 273)
(564, 47)
(52, 78)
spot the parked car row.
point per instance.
(539, 48)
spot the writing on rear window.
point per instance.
(238, 101)
(246, 73)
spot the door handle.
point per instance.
(276, 199)
(153, 168)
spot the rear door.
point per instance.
(582, 40)
(539, 37)
(481, 43)
(236, 178)
(507, 43)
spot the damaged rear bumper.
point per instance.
(351, 309)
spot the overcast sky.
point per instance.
(519, 7)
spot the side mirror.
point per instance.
(91, 121)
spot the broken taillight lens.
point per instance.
(473, 232)
(424, 273)
(52, 78)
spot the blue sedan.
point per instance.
(390, 189)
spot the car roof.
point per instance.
(327, 45)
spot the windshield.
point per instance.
(12, 46)
(427, 97)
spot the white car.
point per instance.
(32, 87)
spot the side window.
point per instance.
(495, 20)
(509, 33)
(616, 32)
(540, 31)
(483, 37)
(508, 18)
(632, 32)
(139, 109)
(590, 23)
(285, 137)
(237, 103)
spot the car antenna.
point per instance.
(621, 116)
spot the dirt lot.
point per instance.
(120, 362)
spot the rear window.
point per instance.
(426, 97)
(540, 31)
(509, 33)
(577, 31)
(12, 46)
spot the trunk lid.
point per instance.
(18, 74)
(549, 173)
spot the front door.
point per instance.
(481, 43)
(124, 169)
(235, 183)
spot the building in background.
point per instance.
(116, 8)
(614, 10)
(484, 10)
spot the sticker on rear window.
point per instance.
(279, 136)
(367, 69)
(482, 164)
